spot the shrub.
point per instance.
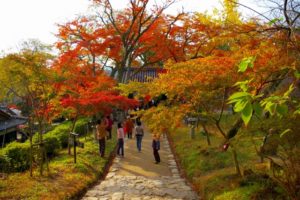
(80, 126)
(17, 154)
(4, 163)
(52, 145)
(61, 133)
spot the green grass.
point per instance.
(241, 193)
(212, 170)
(65, 179)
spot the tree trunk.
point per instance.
(236, 162)
(41, 145)
(206, 133)
(94, 65)
(113, 72)
(31, 147)
(120, 75)
(234, 130)
(69, 138)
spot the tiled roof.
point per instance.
(141, 75)
(7, 110)
(9, 119)
(4, 115)
(11, 123)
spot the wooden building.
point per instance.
(9, 122)
(146, 74)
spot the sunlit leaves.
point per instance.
(242, 103)
(246, 63)
(275, 104)
(27, 76)
(245, 102)
(247, 112)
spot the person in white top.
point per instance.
(120, 135)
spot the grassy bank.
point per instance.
(212, 171)
(65, 179)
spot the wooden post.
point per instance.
(74, 144)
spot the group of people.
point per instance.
(104, 129)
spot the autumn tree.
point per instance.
(278, 94)
(26, 76)
(123, 38)
(82, 91)
(202, 85)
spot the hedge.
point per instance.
(61, 133)
(80, 126)
(15, 156)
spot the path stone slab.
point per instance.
(118, 196)
(165, 186)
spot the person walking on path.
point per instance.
(101, 134)
(129, 127)
(109, 124)
(120, 136)
(139, 133)
(156, 148)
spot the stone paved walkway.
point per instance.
(137, 177)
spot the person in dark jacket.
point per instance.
(156, 148)
(139, 133)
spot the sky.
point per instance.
(21, 20)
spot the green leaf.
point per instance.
(285, 132)
(243, 85)
(258, 109)
(240, 105)
(282, 109)
(271, 107)
(273, 21)
(242, 82)
(297, 74)
(245, 63)
(247, 113)
(258, 96)
(238, 95)
(290, 90)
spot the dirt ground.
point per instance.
(142, 163)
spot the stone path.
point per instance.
(137, 177)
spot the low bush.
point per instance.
(16, 156)
(4, 163)
(61, 133)
(52, 145)
(80, 126)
